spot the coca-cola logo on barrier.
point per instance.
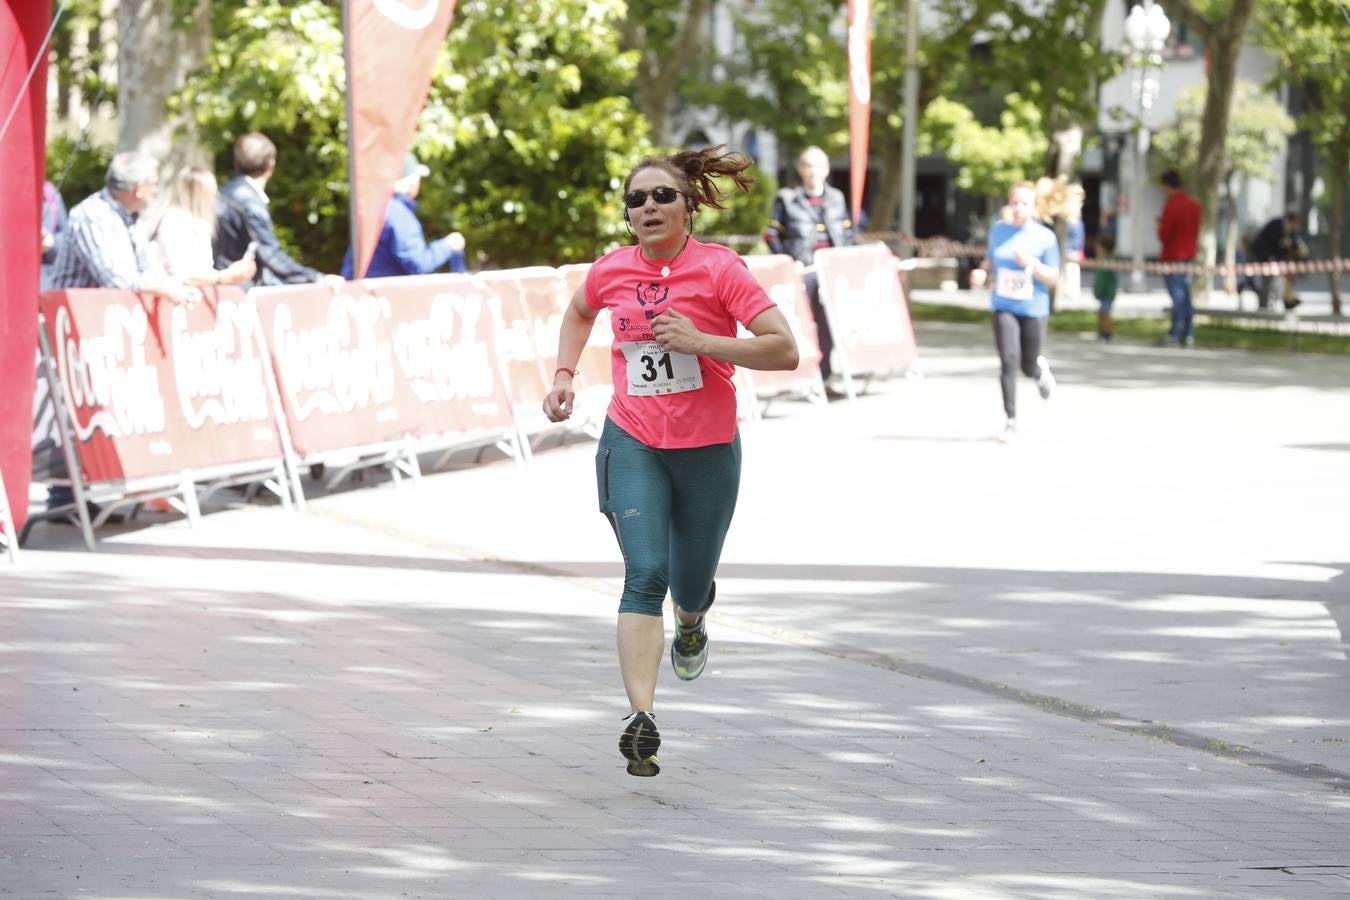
(442, 356)
(219, 372)
(515, 338)
(340, 365)
(109, 373)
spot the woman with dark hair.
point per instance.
(669, 458)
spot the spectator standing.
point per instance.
(669, 459)
(1279, 240)
(53, 223)
(806, 219)
(1024, 255)
(243, 218)
(1179, 231)
(402, 248)
(185, 231)
(1105, 283)
(104, 246)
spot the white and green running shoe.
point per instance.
(689, 648)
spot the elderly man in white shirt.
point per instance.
(103, 246)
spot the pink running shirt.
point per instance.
(711, 285)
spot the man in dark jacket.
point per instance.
(243, 219)
(805, 219)
(1279, 240)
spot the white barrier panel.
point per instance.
(869, 317)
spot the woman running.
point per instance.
(668, 464)
(1024, 255)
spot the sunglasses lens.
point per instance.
(662, 195)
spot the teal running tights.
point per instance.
(670, 510)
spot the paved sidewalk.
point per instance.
(1108, 661)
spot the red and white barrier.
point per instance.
(869, 318)
(388, 368)
(781, 277)
(157, 398)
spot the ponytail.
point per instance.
(696, 170)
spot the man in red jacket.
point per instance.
(1178, 230)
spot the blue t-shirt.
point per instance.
(1014, 290)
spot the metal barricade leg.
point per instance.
(67, 435)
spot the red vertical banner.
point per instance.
(859, 97)
(391, 52)
(24, 25)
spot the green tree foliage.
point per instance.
(1222, 24)
(526, 128)
(1258, 131)
(787, 76)
(278, 68)
(1311, 39)
(528, 132)
(667, 40)
(1048, 51)
(989, 160)
(947, 32)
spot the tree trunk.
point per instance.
(658, 75)
(1224, 46)
(887, 195)
(1231, 239)
(1338, 159)
(154, 60)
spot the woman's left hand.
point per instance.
(674, 331)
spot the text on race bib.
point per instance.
(654, 370)
(1015, 284)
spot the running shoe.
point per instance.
(1009, 433)
(689, 649)
(1045, 382)
(638, 744)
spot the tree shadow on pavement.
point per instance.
(326, 740)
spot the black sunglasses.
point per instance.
(662, 195)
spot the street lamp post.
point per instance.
(1146, 30)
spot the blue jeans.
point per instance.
(1183, 314)
(670, 510)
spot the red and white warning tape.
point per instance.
(929, 247)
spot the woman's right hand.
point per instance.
(558, 402)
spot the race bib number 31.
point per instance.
(654, 370)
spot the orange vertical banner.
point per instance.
(859, 97)
(391, 52)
